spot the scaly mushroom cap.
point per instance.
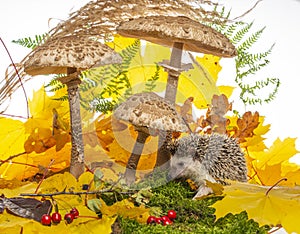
(165, 30)
(55, 56)
(151, 111)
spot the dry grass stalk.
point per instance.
(99, 18)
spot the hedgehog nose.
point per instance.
(169, 177)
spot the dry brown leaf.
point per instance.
(246, 125)
(186, 110)
(215, 114)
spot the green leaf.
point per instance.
(94, 205)
(98, 175)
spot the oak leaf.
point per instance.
(215, 120)
(186, 110)
(246, 125)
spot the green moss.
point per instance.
(193, 216)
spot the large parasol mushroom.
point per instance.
(178, 33)
(70, 55)
(147, 112)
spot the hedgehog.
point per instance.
(214, 157)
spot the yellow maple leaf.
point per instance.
(87, 223)
(199, 82)
(143, 67)
(226, 90)
(126, 209)
(18, 168)
(41, 105)
(16, 191)
(280, 151)
(119, 42)
(270, 174)
(61, 181)
(12, 137)
(280, 205)
(33, 141)
(95, 226)
(27, 165)
(120, 149)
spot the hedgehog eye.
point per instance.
(181, 164)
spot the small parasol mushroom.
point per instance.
(70, 55)
(147, 112)
(177, 32)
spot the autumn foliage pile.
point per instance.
(35, 153)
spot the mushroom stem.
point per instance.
(172, 81)
(135, 156)
(77, 152)
(163, 154)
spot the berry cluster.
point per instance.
(164, 220)
(55, 218)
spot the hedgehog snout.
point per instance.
(174, 173)
(177, 168)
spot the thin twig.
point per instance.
(71, 193)
(44, 175)
(11, 157)
(200, 67)
(16, 70)
(248, 11)
(14, 116)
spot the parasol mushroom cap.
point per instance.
(165, 30)
(55, 56)
(151, 111)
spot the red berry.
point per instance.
(56, 217)
(46, 220)
(167, 222)
(165, 218)
(151, 219)
(172, 214)
(69, 217)
(158, 220)
(74, 212)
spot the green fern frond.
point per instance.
(248, 63)
(249, 42)
(100, 104)
(54, 84)
(251, 69)
(239, 34)
(248, 94)
(246, 59)
(112, 81)
(62, 98)
(102, 76)
(31, 43)
(151, 82)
